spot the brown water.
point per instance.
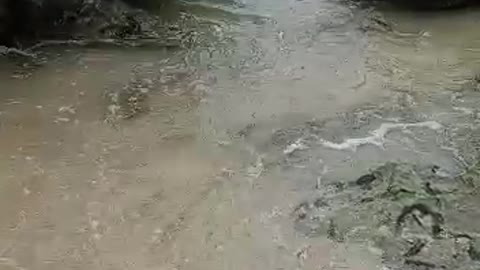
(195, 158)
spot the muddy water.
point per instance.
(194, 158)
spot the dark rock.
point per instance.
(432, 4)
(416, 248)
(420, 264)
(420, 219)
(320, 202)
(474, 250)
(365, 180)
(423, 210)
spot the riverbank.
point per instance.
(26, 22)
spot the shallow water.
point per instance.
(194, 158)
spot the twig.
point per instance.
(416, 248)
(420, 263)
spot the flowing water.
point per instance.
(195, 158)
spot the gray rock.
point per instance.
(418, 218)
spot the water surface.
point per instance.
(194, 158)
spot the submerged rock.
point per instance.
(419, 219)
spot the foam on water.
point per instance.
(297, 145)
(377, 136)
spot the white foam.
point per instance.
(464, 110)
(297, 145)
(378, 136)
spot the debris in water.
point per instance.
(62, 120)
(319, 182)
(256, 170)
(228, 173)
(302, 253)
(246, 131)
(67, 109)
(224, 143)
(26, 191)
(417, 246)
(333, 233)
(422, 264)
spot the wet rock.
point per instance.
(375, 22)
(474, 249)
(365, 180)
(72, 20)
(416, 248)
(419, 212)
(411, 213)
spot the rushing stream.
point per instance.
(196, 157)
